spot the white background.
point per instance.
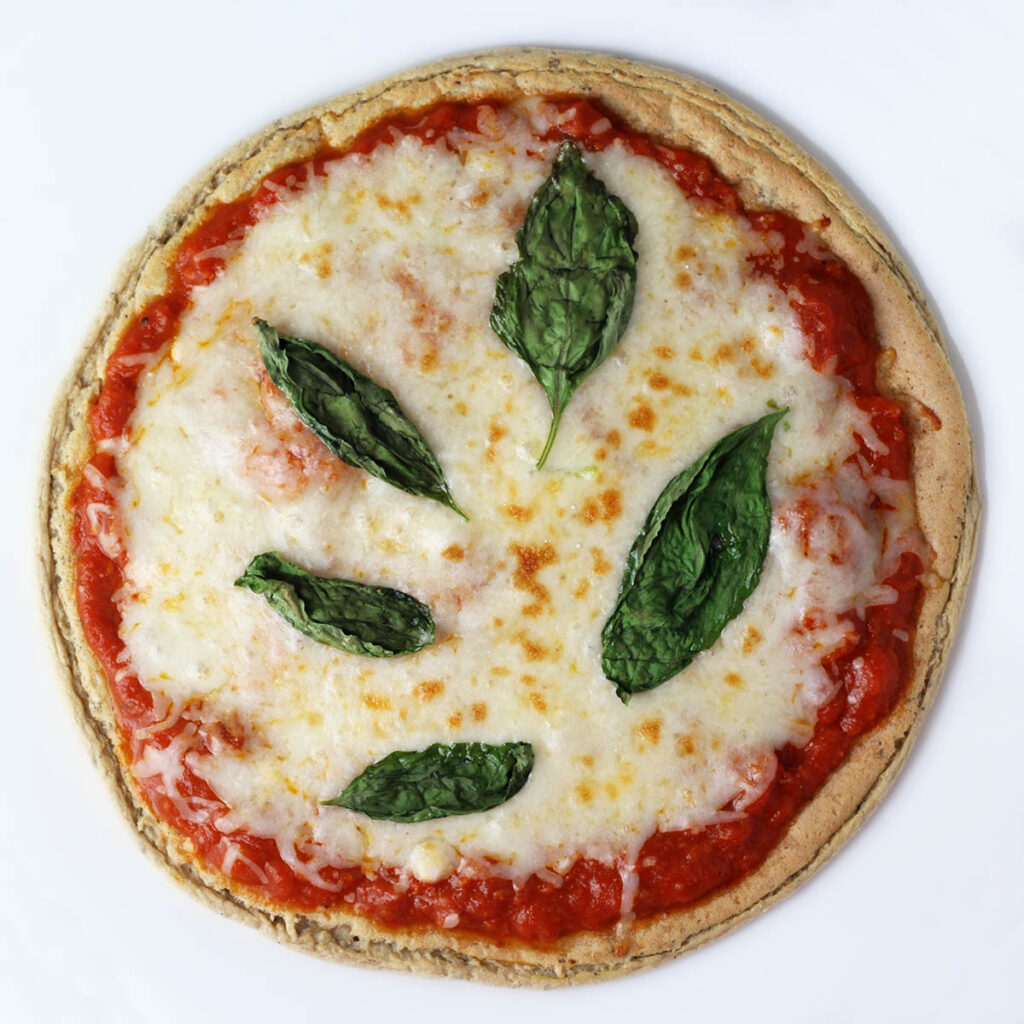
(917, 107)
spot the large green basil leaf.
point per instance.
(353, 617)
(356, 418)
(444, 779)
(563, 306)
(697, 559)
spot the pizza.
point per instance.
(509, 521)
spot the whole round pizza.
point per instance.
(509, 521)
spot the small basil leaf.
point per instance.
(443, 780)
(563, 306)
(353, 617)
(698, 557)
(356, 418)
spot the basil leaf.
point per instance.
(444, 779)
(356, 418)
(697, 559)
(353, 617)
(563, 306)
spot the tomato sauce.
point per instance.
(674, 868)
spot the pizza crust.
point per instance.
(914, 368)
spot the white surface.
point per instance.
(916, 106)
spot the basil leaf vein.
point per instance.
(358, 420)
(353, 617)
(563, 306)
(697, 559)
(440, 781)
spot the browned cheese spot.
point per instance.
(520, 513)
(733, 680)
(584, 793)
(478, 711)
(751, 638)
(685, 252)
(664, 351)
(642, 417)
(613, 438)
(494, 434)
(601, 564)
(376, 703)
(581, 589)
(650, 730)
(606, 507)
(455, 721)
(683, 279)
(531, 559)
(399, 207)
(320, 258)
(611, 504)
(454, 553)
(538, 702)
(723, 354)
(659, 381)
(428, 690)
(533, 650)
(685, 747)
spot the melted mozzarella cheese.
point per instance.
(390, 260)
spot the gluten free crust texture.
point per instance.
(769, 172)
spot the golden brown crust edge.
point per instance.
(744, 148)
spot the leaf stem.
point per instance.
(455, 508)
(549, 443)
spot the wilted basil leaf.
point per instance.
(697, 559)
(444, 779)
(351, 616)
(563, 306)
(357, 419)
